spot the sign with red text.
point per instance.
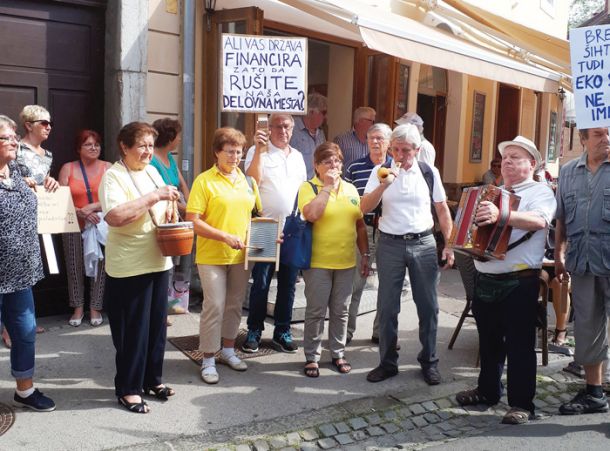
(590, 55)
(264, 74)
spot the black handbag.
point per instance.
(296, 248)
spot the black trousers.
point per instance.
(507, 331)
(137, 312)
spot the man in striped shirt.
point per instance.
(378, 139)
(353, 143)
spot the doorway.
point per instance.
(507, 116)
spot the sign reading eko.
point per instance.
(264, 74)
(590, 51)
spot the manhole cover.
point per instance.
(7, 418)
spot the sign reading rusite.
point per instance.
(264, 74)
(590, 55)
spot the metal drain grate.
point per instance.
(7, 418)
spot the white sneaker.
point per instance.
(233, 362)
(209, 375)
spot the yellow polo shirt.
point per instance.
(334, 234)
(225, 206)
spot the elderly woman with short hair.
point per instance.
(20, 269)
(333, 206)
(34, 161)
(131, 193)
(220, 206)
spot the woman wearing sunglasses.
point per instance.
(34, 161)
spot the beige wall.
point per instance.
(164, 84)
(340, 89)
(536, 14)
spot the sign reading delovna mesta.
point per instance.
(264, 74)
(590, 55)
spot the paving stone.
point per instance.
(243, 447)
(539, 403)
(552, 388)
(357, 423)
(432, 418)
(459, 422)
(400, 437)
(444, 415)
(417, 409)
(327, 443)
(278, 442)
(375, 431)
(419, 422)
(293, 438)
(288, 448)
(405, 412)
(309, 434)
(453, 433)
(390, 428)
(374, 419)
(309, 446)
(445, 427)
(390, 415)
(327, 430)
(359, 435)
(342, 428)
(552, 400)
(565, 397)
(407, 425)
(443, 403)
(457, 411)
(429, 406)
(261, 445)
(431, 429)
(344, 439)
(224, 449)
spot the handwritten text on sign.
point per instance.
(56, 212)
(590, 54)
(264, 74)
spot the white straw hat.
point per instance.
(525, 144)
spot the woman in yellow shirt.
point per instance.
(337, 227)
(220, 206)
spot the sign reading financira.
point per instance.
(590, 55)
(264, 74)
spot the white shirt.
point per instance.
(535, 197)
(406, 203)
(426, 153)
(281, 179)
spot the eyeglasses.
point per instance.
(14, 138)
(331, 161)
(43, 122)
(233, 153)
(282, 127)
(91, 145)
(376, 138)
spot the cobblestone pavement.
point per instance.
(385, 423)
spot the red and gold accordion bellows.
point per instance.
(487, 242)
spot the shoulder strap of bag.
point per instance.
(86, 180)
(154, 221)
(295, 209)
(521, 240)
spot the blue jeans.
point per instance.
(394, 257)
(262, 273)
(17, 313)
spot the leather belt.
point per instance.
(409, 236)
(514, 275)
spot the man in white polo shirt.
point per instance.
(279, 170)
(406, 241)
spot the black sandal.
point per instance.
(343, 367)
(555, 339)
(311, 371)
(162, 392)
(135, 407)
(471, 398)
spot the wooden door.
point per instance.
(53, 55)
(375, 83)
(507, 116)
(433, 110)
(236, 21)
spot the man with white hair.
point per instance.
(505, 303)
(307, 134)
(427, 153)
(353, 142)
(406, 241)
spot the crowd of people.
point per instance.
(374, 199)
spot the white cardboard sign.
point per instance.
(264, 74)
(590, 55)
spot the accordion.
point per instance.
(486, 242)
